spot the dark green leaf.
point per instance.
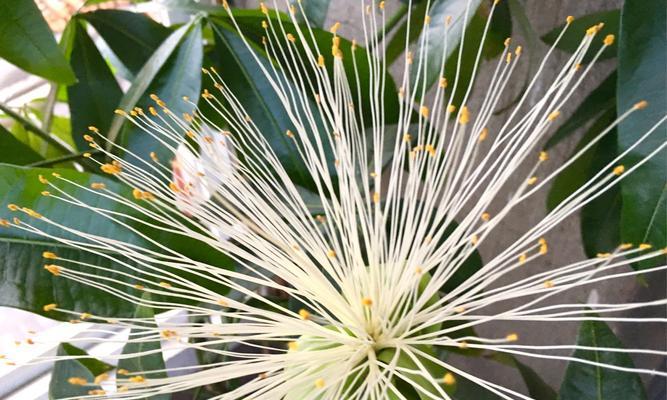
(25, 284)
(96, 95)
(13, 151)
(86, 368)
(180, 76)
(589, 382)
(642, 76)
(577, 30)
(27, 41)
(144, 363)
(146, 75)
(598, 100)
(133, 37)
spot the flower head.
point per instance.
(378, 278)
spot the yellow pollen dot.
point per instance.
(522, 258)
(304, 314)
(76, 380)
(373, 174)
(625, 246)
(517, 51)
(407, 137)
(474, 239)
(464, 118)
(376, 197)
(292, 346)
(152, 110)
(49, 255)
(424, 111)
(512, 337)
(459, 310)
(165, 284)
(111, 169)
(485, 216)
(50, 307)
(442, 82)
(136, 193)
(553, 115)
(367, 301)
(122, 371)
(85, 316)
(319, 383)
(448, 20)
(120, 112)
(124, 388)
(289, 133)
(418, 270)
(619, 170)
(381, 5)
(97, 392)
(291, 38)
(137, 379)
(320, 60)
(548, 284)
(507, 42)
(223, 302)
(334, 28)
(265, 25)
(603, 255)
(592, 30)
(451, 108)
(608, 40)
(569, 19)
(168, 334)
(645, 246)
(87, 155)
(544, 156)
(427, 20)
(52, 268)
(483, 134)
(449, 379)
(463, 345)
(12, 207)
(101, 378)
(4, 223)
(98, 186)
(640, 105)
(331, 254)
(531, 180)
(55, 174)
(508, 58)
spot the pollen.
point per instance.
(625, 246)
(52, 268)
(50, 255)
(522, 258)
(608, 40)
(12, 207)
(544, 156)
(427, 20)
(464, 118)
(304, 314)
(512, 337)
(418, 270)
(442, 82)
(292, 346)
(367, 301)
(98, 186)
(603, 255)
(43, 180)
(531, 180)
(101, 378)
(549, 284)
(168, 334)
(640, 105)
(544, 247)
(407, 137)
(424, 111)
(507, 42)
(483, 134)
(320, 60)
(291, 38)
(645, 246)
(265, 25)
(376, 197)
(85, 316)
(485, 216)
(76, 380)
(319, 383)
(49, 307)
(122, 371)
(137, 379)
(569, 19)
(289, 133)
(553, 115)
(619, 170)
(459, 310)
(334, 28)
(97, 392)
(449, 379)
(223, 302)
(451, 108)
(331, 254)
(111, 169)
(165, 284)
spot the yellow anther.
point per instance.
(263, 8)
(548, 284)
(173, 187)
(418, 270)
(553, 115)
(517, 51)
(507, 42)
(84, 316)
(618, 170)
(304, 314)
(289, 134)
(101, 378)
(50, 307)
(508, 58)
(424, 111)
(640, 105)
(407, 137)
(292, 346)
(464, 117)
(381, 5)
(603, 255)
(483, 134)
(52, 268)
(120, 112)
(265, 25)
(88, 138)
(168, 334)
(319, 383)
(448, 20)
(4, 223)
(544, 156)
(608, 40)
(335, 47)
(50, 255)
(122, 371)
(76, 380)
(223, 302)
(291, 38)
(165, 284)
(331, 253)
(93, 129)
(137, 379)
(32, 213)
(152, 110)
(136, 193)
(409, 58)
(625, 246)
(531, 180)
(512, 337)
(569, 19)
(449, 379)
(427, 20)
(523, 258)
(367, 301)
(474, 239)
(320, 60)
(645, 246)
(98, 186)
(451, 108)
(485, 216)
(111, 169)
(460, 310)
(442, 82)
(373, 174)
(45, 193)
(334, 28)
(376, 197)
(42, 179)
(544, 247)
(292, 9)
(97, 392)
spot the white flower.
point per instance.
(370, 269)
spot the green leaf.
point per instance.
(13, 151)
(146, 75)
(86, 368)
(598, 100)
(462, 13)
(589, 382)
(144, 363)
(577, 30)
(26, 285)
(27, 42)
(96, 95)
(179, 76)
(537, 388)
(133, 37)
(642, 76)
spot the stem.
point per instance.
(65, 158)
(55, 142)
(393, 21)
